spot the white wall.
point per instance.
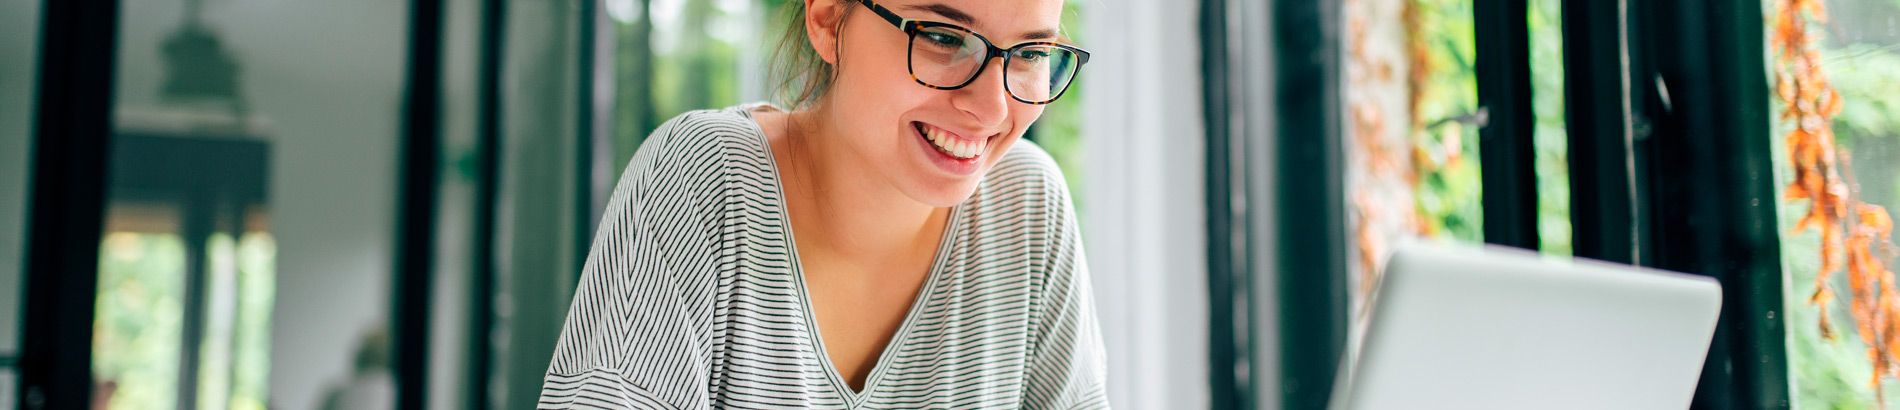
(1145, 226)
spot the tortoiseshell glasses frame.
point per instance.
(1054, 64)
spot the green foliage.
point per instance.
(1868, 78)
(1450, 194)
(257, 294)
(139, 319)
(138, 327)
(1550, 138)
(1450, 197)
(662, 71)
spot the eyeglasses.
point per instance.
(947, 57)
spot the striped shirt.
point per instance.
(692, 298)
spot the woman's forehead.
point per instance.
(1016, 20)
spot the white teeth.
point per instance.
(954, 146)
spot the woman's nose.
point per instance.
(985, 99)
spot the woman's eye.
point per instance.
(1032, 55)
(944, 39)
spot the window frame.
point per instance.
(66, 205)
(1703, 85)
(1693, 97)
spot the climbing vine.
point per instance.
(1855, 236)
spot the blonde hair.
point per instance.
(800, 76)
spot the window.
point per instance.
(254, 150)
(140, 326)
(229, 138)
(1836, 70)
(1547, 103)
(1412, 124)
(673, 56)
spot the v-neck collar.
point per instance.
(946, 244)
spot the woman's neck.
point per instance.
(836, 207)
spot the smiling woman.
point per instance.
(883, 239)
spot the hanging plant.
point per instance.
(1854, 235)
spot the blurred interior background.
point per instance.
(360, 204)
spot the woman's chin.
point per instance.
(943, 195)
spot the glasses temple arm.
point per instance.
(884, 12)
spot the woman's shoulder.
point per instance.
(1025, 182)
(700, 141)
(1026, 166)
(705, 131)
(694, 156)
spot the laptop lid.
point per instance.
(1501, 328)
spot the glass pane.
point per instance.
(10, 381)
(536, 223)
(137, 333)
(673, 56)
(1550, 139)
(1411, 130)
(19, 42)
(451, 382)
(1444, 119)
(246, 259)
(1837, 140)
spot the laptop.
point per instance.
(1501, 328)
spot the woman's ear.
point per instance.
(822, 18)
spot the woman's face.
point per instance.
(932, 145)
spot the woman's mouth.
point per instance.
(949, 144)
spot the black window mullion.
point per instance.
(417, 204)
(1606, 199)
(586, 131)
(1715, 204)
(1309, 215)
(72, 131)
(1225, 222)
(1506, 150)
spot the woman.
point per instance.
(885, 242)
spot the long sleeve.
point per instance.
(638, 333)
